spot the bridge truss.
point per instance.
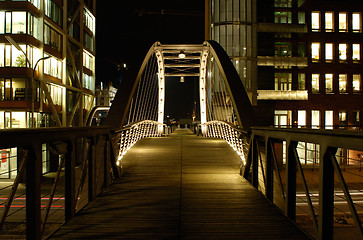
(225, 109)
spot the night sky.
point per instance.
(127, 29)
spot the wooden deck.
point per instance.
(180, 187)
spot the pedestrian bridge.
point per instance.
(131, 178)
(181, 187)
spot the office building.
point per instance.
(300, 60)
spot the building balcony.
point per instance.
(282, 61)
(282, 28)
(282, 95)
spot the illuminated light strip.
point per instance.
(202, 90)
(161, 85)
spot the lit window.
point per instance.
(356, 22)
(283, 118)
(329, 119)
(342, 51)
(8, 22)
(301, 118)
(342, 83)
(328, 83)
(315, 83)
(2, 22)
(343, 22)
(342, 117)
(356, 118)
(53, 67)
(8, 55)
(356, 52)
(301, 81)
(329, 52)
(2, 54)
(19, 22)
(356, 82)
(283, 49)
(329, 22)
(18, 58)
(315, 51)
(315, 21)
(315, 119)
(301, 17)
(283, 81)
(283, 17)
(283, 3)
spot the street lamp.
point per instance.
(11, 40)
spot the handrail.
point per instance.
(274, 152)
(85, 159)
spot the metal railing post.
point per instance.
(33, 194)
(326, 193)
(291, 180)
(269, 169)
(70, 189)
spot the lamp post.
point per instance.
(11, 40)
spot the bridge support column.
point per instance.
(161, 84)
(202, 91)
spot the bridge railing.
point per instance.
(237, 138)
(48, 174)
(126, 137)
(313, 176)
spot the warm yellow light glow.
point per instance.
(356, 52)
(329, 51)
(315, 82)
(181, 54)
(356, 25)
(342, 51)
(315, 21)
(343, 22)
(329, 21)
(315, 51)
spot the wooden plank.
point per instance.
(180, 187)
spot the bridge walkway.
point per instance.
(180, 187)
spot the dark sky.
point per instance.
(127, 29)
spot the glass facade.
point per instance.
(232, 25)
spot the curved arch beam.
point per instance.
(121, 104)
(240, 100)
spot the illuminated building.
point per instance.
(300, 60)
(62, 91)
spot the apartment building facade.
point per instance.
(47, 68)
(57, 38)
